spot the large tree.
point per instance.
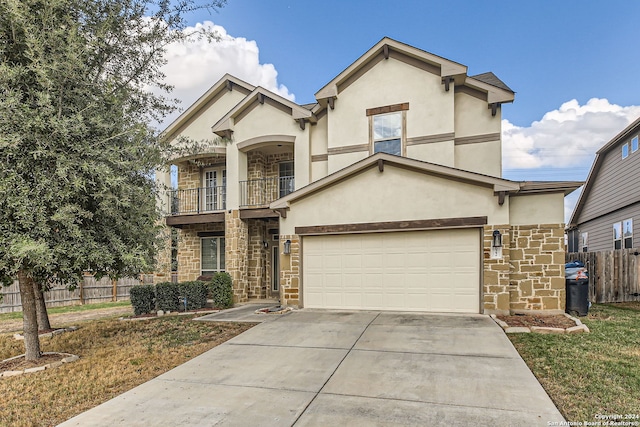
(77, 151)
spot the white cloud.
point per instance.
(193, 66)
(566, 136)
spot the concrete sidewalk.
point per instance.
(318, 368)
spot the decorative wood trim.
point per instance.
(387, 109)
(430, 139)
(385, 51)
(348, 149)
(319, 157)
(411, 225)
(471, 91)
(476, 139)
(381, 165)
(179, 221)
(282, 212)
(210, 234)
(257, 213)
(321, 114)
(415, 62)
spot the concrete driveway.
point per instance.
(355, 368)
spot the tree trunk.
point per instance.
(41, 308)
(29, 317)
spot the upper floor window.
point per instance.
(627, 233)
(585, 241)
(387, 128)
(617, 235)
(634, 144)
(625, 150)
(285, 178)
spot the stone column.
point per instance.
(290, 271)
(496, 272)
(236, 253)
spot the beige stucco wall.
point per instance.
(473, 117)
(537, 209)
(389, 82)
(393, 195)
(480, 158)
(198, 127)
(441, 153)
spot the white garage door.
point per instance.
(435, 271)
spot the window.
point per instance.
(585, 242)
(212, 255)
(387, 133)
(627, 233)
(625, 150)
(617, 235)
(286, 181)
(634, 144)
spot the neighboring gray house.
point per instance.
(609, 205)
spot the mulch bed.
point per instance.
(20, 364)
(558, 321)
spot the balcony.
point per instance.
(197, 200)
(261, 192)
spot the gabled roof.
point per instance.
(259, 95)
(227, 82)
(447, 67)
(595, 168)
(492, 79)
(497, 91)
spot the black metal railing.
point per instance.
(261, 192)
(197, 200)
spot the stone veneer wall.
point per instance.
(237, 253)
(496, 272)
(190, 172)
(257, 259)
(537, 263)
(189, 248)
(290, 271)
(530, 275)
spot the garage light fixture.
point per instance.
(287, 247)
(496, 245)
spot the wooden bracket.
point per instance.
(301, 123)
(494, 108)
(229, 85)
(501, 197)
(447, 81)
(281, 211)
(331, 102)
(261, 98)
(385, 51)
(381, 165)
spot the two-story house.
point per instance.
(385, 193)
(609, 204)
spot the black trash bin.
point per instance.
(577, 287)
(577, 296)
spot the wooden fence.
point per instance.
(90, 291)
(613, 275)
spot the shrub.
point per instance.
(221, 289)
(168, 296)
(143, 299)
(196, 294)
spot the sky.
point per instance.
(574, 65)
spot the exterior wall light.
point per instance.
(287, 247)
(496, 245)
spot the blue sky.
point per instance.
(572, 64)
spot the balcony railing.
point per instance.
(197, 200)
(261, 192)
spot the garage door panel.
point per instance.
(424, 270)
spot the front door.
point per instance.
(214, 191)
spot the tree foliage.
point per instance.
(76, 147)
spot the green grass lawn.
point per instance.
(596, 373)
